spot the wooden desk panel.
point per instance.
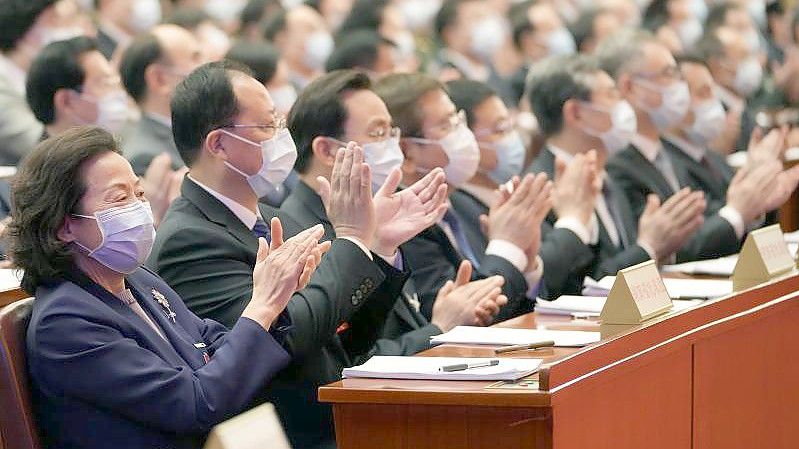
(746, 382)
(631, 391)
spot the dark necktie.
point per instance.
(460, 238)
(666, 168)
(711, 168)
(613, 208)
(262, 230)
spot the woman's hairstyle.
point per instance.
(46, 189)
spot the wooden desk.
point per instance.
(723, 375)
(12, 295)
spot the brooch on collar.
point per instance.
(161, 299)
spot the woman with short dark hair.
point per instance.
(116, 358)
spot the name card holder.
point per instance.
(254, 429)
(764, 256)
(637, 296)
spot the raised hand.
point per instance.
(348, 196)
(402, 215)
(461, 302)
(278, 270)
(518, 218)
(313, 260)
(766, 148)
(665, 228)
(162, 185)
(751, 186)
(782, 188)
(576, 187)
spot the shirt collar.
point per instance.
(15, 75)
(560, 153)
(729, 98)
(696, 152)
(470, 70)
(245, 215)
(162, 119)
(647, 147)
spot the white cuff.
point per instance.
(360, 245)
(735, 219)
(392, 260)
(509, 252)
(578, 228)
(648, 249)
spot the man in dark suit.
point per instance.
(205, 247)
(592, 231)
(340, 107)
(435, 135)
(649, 78)
(151, 67)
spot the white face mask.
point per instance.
(145, 15)
(753, 41)
(278, 155)
(689, 32)
(128, 234)
(699, 10)
(419, 14)
(461, 149)
(674, 104)
(284, 98)
(383, 157)
(623, 126)
(561, 42)
(406, 44)
(318, 48)
(708, 123)
(225, 11)
(487, 37)
(112, 110)
(748, 76)
(510, 157)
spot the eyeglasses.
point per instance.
(384, 132)
(278, 125)
(501, 128)
(453, 121)
(669, 73)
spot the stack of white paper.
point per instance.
(566, 305)
(9, 279)
(507, 336)
(398, 367)
(723, 266)
(677, 288)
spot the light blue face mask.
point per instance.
(510, 157)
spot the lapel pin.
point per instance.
(161, 299)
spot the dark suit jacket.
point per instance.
(638, 177)
(699, 178)
(103, 378)
(207, 255)
(148, 139)
(405, 331)
(567, 261)
(106, 44)
(433, 261)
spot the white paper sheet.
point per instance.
(723, 266)
(677, 288)
(398, 367)
(9, 279)
(566, 305)
(508, 336)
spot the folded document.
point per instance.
(507, 336)
(566, 305)
(398, 367)
(677, 288)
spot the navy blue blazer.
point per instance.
(103, 378)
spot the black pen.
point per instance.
(465, 366)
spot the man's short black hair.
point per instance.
(188, 18)
(469, 94)
(261, 57)
(320, 111)
(255, 10)
(275, 25)
(656, 15)
(356, 50)
(16, 18)
(365, 14)
(401, 93)
(203, 102)
(447, 15)
(144, 51)
(56, 67)
(583, 28)
(554, 81)
(718, 15)
(520, 22)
